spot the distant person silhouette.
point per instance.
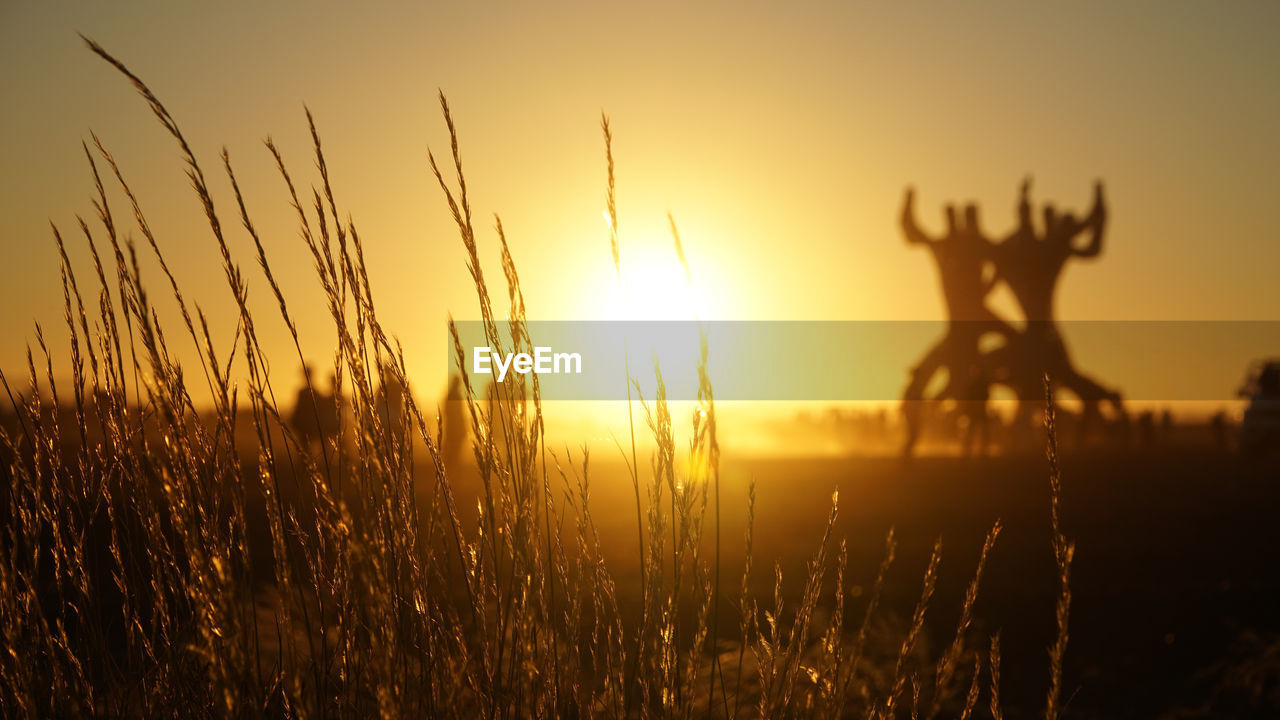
(977, 425)
(310, 411)
(1147, 428)
(330, 420)
(391, 401)
(455, 429)
(1221, 434)
(1122, 431)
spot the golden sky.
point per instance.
(780, 136)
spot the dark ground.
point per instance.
(1174, 583)
(1176, 595)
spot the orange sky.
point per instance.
(780, 136)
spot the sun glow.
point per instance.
(650, 281)
(653, 286)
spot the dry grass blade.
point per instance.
(1063, 551)
(346, 557)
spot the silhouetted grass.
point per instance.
(155, 567)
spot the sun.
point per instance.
(650, 282)
(654, 286)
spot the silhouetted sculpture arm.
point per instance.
(1024, 206)
(1096, 224)
(910, 230)
(972, 225)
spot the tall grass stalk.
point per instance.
(162, 559)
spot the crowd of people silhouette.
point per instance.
(979, 348)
